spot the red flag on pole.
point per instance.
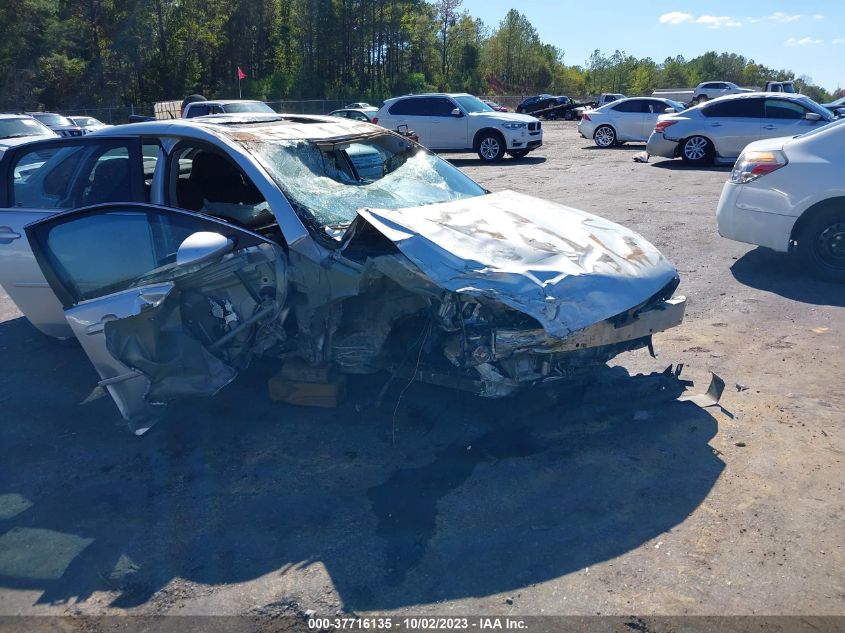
(241, 74)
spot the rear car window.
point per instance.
(409, 107)
(59, 176)
(734, 108)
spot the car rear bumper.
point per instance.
(658, 145)
(738, 220)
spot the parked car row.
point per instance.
(787, 188)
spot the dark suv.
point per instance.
(541, 102)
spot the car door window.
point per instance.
(733, 108)
(203, 179)
(782, 109)
(635, 105)
(66, 175)
(88, 260)
(197, 110)
(439, 106)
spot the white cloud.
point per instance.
(717, 21)
(720, 21)
(838, 40)
(804, 41)
(675, 17)
(780, 16)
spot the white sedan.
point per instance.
(788, 194)
(625, 120)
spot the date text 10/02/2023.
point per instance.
(417, 623)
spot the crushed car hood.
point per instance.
(566, 268)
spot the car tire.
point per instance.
(700, 99)
(491, 147)
(569, 116)
(821, 245)
(604, 136)
(697, 150)
(518, 153)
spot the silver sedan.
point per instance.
(720, 129)
(625, 120)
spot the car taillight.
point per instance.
(585, 117)
(375, 120)
(662, 125)
(752, 165)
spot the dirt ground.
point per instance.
(616, 499)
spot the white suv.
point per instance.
(460, 122)
(712, 89)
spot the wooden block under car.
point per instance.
(296, 369)
(308, 394)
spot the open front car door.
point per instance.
(166, 303)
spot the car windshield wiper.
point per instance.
(20, 135)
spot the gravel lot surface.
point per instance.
(617, 499)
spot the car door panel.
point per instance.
(651, 111)
(732, 124)
(43, 179)
(410, 111)
(785, 118)
(156, 324)
(629, 120)
(446, 131)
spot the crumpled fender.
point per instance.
(566, 268)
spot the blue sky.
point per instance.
(807, 37)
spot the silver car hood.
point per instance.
(566, 268)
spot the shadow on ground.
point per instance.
(678, 164)
(630, 146)
(507, 161)
(780, 273)
(453, 497)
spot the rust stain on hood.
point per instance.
(566, 268)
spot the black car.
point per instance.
(544, 102)
(58, 123)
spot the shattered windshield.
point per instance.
(329, 181)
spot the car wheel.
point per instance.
(697, 150)
(518, 153)
(604, 136)
(491, 147)
(821, 245)
(568, 116)
(701, 99)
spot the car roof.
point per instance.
(769, 95)
(430, 94)
(254, 127)
(14, 116)
(223, 101)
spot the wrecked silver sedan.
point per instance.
(177, 251)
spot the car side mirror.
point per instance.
(457, 112)
(669, 111)
(813, 116)
(201, 247)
